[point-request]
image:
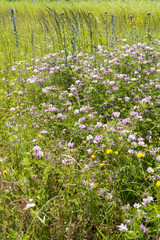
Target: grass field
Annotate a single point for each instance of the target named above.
(80, 120)
(42, 31)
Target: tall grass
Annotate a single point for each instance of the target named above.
(43, 23)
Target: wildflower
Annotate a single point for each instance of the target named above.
(126, 207)
(142, 227)
(109, 151)
(158, 158)
(116, 114)
(34, 177)
(70, 144)
(89, 137)
(82, 126)
(126, 121)
(5, 171)
(102, 164)
(39, 135)
(137, 205)
(59, 116)
(150, 170)
(36, 148)
(102, 191)
(76, 112)
(147, 200)
(93, 156)
(99, 125)
(29, 205)
(116, 152)
(43, 131)
(123, 227)
(98, 138)
(95, 185)
(158, 183)
(139, 155)
(109, 196)
(89, 151)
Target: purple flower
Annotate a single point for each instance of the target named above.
(126, 207)
(34, 177)
(70, 145)
(142, 227)
(152, 70)
(38, 154)
(36, 148)
(127, 121)
(43, 131)
(82, 126)
(126, 99)
(147, 200)
(158, 158)
(59, 116)
(98, 139)
(115, 89)
(82, 119)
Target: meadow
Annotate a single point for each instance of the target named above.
(80, 120)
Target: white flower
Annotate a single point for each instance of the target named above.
(123, 227)
(99, 125)
(109, 196)
(116, 114)
(137, 205)
(29, 205)
(150, 170)
(89, 137)
(76, 111)
(89, 151)
(36, 148)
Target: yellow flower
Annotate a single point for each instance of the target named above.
(158, 183)
(95, 185)
(116, 152)
(5, 171)
(39, 135)
(102, 164)
(109, 151)
(144, 106)
(93, 156)
(139, 155)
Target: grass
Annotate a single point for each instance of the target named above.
(79, 120)
(38, 33)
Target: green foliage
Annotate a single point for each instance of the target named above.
(79, 127)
